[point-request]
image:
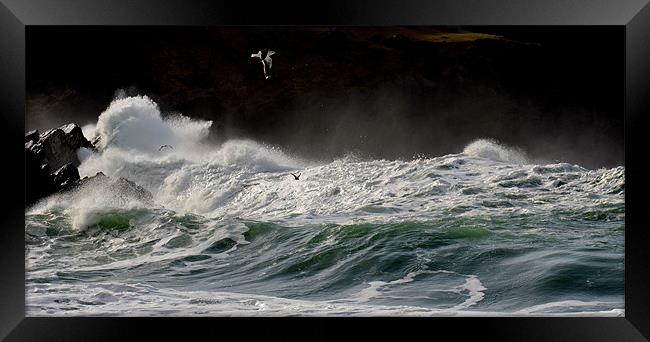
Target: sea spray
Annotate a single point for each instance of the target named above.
(136, 123)
(246, 179)
(492, 149)
(229, 231)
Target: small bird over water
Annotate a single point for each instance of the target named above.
(163, 146)
(265, 56)
(296, 177)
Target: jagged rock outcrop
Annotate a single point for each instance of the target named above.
(58, 146)
(51, 166)
(51, 160)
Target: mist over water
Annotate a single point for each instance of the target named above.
(485, 231)
(380, 92)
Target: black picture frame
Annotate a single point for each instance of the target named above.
(633, 15)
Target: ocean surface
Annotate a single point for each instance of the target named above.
(483, 232)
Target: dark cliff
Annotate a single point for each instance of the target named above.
(382, 92)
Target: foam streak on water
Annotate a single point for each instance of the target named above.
(481, 232)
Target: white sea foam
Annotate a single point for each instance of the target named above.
(136, 123)
(105, 299)
(471, 287)
(88, 130)
(244, 179)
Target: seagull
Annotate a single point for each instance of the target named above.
(265, 56)
(296, 177)
(163, 146)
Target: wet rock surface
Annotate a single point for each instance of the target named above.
(51, 161)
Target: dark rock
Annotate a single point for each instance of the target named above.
(38, 182)
(96, 179)
(98, 175)
(66, 176)
(59, 145)
(55, 149)
(31, 136)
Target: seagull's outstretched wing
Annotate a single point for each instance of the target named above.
(271, 53)
(258, 55)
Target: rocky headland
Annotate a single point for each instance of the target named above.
(51, 161)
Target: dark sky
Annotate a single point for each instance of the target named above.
(391, 92)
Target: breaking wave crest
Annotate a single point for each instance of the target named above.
(382, 232)
(491, 149)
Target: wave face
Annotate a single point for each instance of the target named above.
(482, 232)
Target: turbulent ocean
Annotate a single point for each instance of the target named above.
(483, 232)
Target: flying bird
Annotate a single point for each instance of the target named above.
(163, 146)
(265, 56)
(296, 177)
